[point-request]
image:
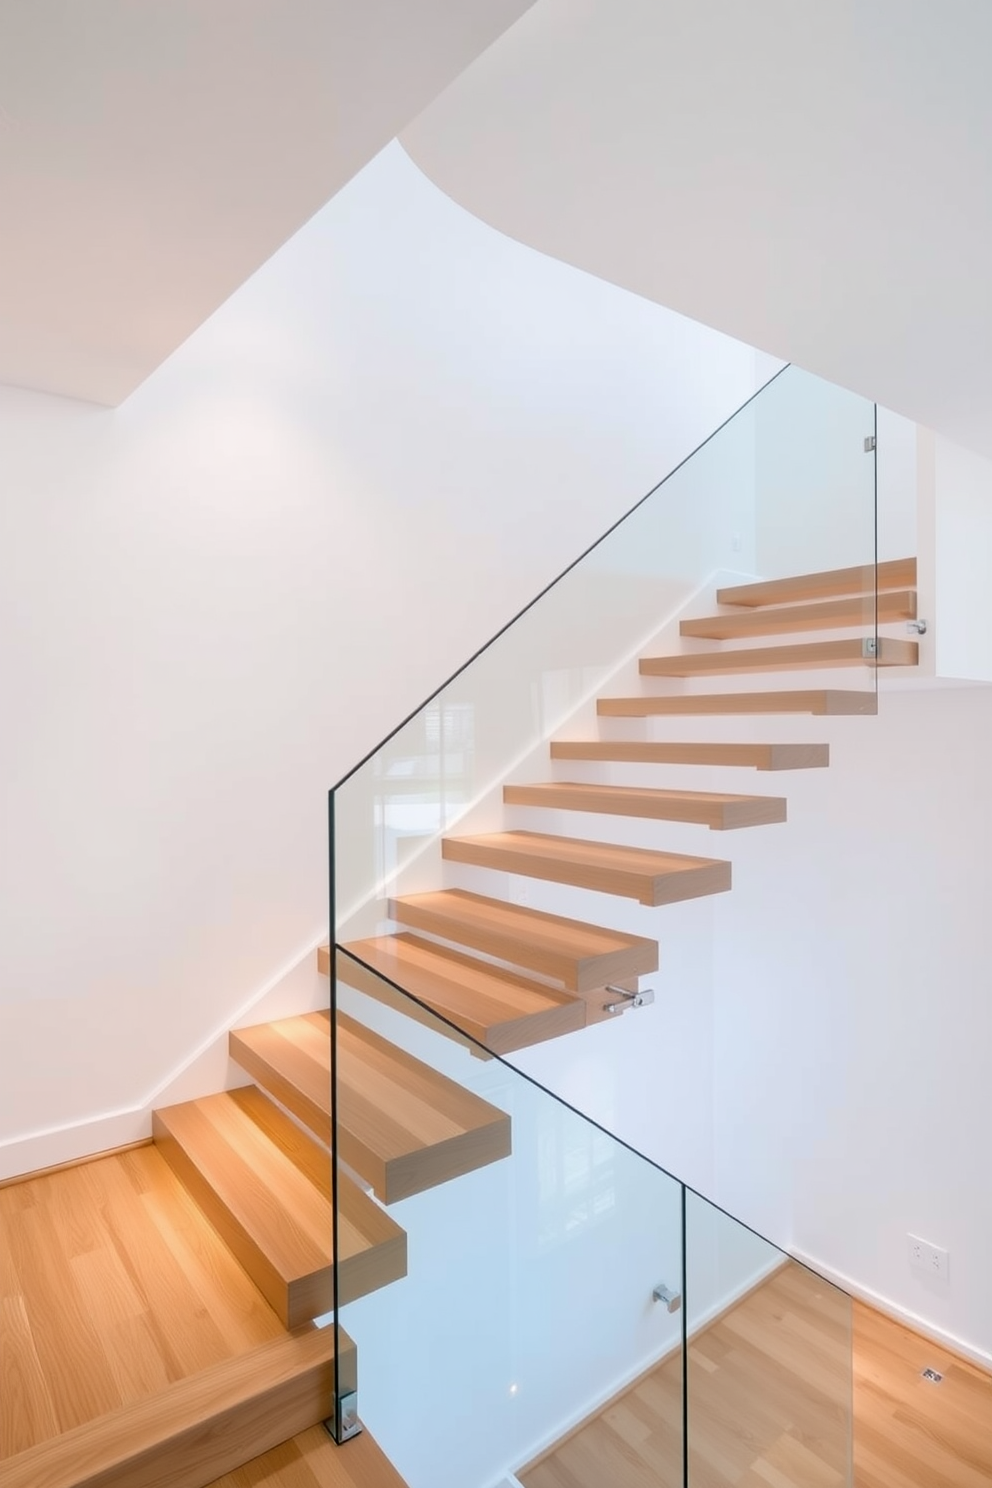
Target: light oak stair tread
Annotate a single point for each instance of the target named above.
(403, 1126)
(822, 702)
(830, 614)
(781, 658)
(265, 1186)
(496, 1007)
(291, 1058)
(312, 1460)
(580, 956)
(715, 809)
(653, 878)
(756, 756)
(896, 573)
(199, 1427)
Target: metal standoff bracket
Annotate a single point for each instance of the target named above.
(672, 1300)
(628, 999)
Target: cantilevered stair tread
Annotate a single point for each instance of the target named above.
(582, 957)
(639, 752)
(265, 1186)
(653, 878)
(830, 614)
(403, 1126)
(714, 809)
(819, 701)
(897, 573)
(495, 1007)
(781, 658)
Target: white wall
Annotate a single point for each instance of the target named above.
(852, 1022)
(215, 599)
(956, 517)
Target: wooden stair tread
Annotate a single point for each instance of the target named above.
(820, 701)
(291, 1058)
(497, 1008)
(653, 878)
(715, 809)
(830, 614)
(781, 658)
(209, 1423)
(312, 1460)
(582, 957)
(896, 573)
(266, 1187)
(756, 756)
(403, 1126)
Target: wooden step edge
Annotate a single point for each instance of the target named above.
(483, 1136)
(743, 756)
(198, 1428)
(828, 702)
(696, 879)
(559, 1012)
(863, 578)
(716, 810)
(797, 657)
(574, 1012)
(636, 956)
(416, 1172)
(280, 1085)
(887, 608)
(482, 1039)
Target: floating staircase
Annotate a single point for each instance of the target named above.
(258, 1163)
(501, 976)
(473, 959)
(498, 976)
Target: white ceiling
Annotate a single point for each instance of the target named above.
(154, 154)
(814, 178)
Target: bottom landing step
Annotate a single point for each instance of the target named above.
(200, 1427)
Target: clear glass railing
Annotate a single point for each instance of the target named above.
(502, 870)
(573, 1314)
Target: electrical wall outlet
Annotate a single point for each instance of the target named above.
(928, 1260)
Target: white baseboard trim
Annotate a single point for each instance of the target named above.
(891, 1309)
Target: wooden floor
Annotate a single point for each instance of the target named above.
(911, 1434)
(769, 1385)
(112, 1286)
